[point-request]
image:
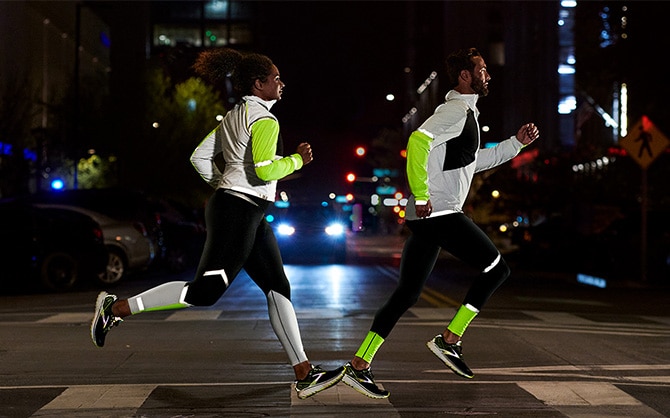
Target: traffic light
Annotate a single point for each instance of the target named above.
(360, 151)
(351, 177)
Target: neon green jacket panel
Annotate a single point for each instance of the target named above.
(268, 165)
(418, 148)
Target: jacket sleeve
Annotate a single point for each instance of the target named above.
(203, 157)
(501, 153)
(441, 126)
(418, 148)
(268, 165)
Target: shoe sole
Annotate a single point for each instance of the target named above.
(99, 302)
(311, 391)
(436, 350)
(353, 383)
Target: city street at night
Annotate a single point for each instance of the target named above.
(544, 346)
(153, 142)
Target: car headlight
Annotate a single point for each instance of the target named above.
(335, 230)
(285, 229)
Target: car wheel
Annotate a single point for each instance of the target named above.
(116, 268)
(59, 272)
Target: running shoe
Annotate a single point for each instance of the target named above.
(363, 382)
(103, 319)
(451, 355)
(317, 380)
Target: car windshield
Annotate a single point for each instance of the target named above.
(306, 214)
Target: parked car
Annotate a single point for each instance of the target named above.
(130, 248)
(52, 248)
(177, 234)
(309, 233)
(182, 234)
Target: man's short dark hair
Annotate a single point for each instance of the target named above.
(460, 60)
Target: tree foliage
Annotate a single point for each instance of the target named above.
(177, 118)
(97, 172)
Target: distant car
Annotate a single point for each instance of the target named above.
(309, 233)
(130, 248)
(52, 248)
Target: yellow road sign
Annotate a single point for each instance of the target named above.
(644, 142)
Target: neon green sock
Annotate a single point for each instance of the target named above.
(465, 315)
(369, 347)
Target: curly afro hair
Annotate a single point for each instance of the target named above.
(215, 65)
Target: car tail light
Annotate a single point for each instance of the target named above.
(139, 226)
(97, 232)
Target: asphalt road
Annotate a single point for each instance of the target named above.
(544, 346)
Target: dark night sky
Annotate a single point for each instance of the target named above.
(340, 58)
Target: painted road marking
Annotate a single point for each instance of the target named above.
(555, 394)
(67, 318)
(101, 397)
(578, 393)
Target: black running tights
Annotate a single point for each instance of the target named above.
(460, 236)
(238, 236)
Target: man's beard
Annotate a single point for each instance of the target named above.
(478, 87)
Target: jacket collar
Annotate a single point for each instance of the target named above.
(469, 99)
(265, 103)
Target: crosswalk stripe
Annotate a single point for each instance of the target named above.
(194, 315)
(562, 301)
(133, 396)
(67, 318)
(626, 372)
(578, 393)
(438, 299)
(559, 318)
(443, 314)
(342, 394)
(660, 319)
(101, 397)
